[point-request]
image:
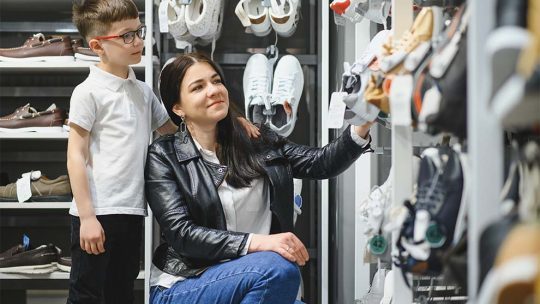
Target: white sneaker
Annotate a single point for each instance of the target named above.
(364, 111)
(286, 92)
(254, 16)
(374, 10)
(202, 17)
(284, 16)
(176, 15)
(256, 88)
(218, 21)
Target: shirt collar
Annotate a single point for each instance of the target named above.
(203, 150)
(109, 80)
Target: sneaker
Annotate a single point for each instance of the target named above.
(64, 264)
(176, 15)
(215, 33)
(40, 48)
(256, 87)
(421, 31)
(83, 53)
(286, 92)
(24, 259)
(43, 190)
(375, 95)
(284, 16)
(254, 16)
(202, 17)
(374, 10)
(28, 119)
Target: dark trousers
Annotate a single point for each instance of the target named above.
(108, 277)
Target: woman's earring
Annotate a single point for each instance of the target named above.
(183, 127)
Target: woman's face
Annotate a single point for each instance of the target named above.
(204, 98)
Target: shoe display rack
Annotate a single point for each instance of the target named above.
(41, 84)
(484, 167)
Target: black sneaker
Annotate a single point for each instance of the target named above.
(64, 264)
(21, 259)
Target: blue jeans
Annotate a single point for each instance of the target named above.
(261, 277)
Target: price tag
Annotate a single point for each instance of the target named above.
(162, 15)
(336, 110)
(400, 100)
(24, 190)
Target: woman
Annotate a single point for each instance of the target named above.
(224, 200)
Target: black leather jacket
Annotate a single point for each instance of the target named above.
(181, 189)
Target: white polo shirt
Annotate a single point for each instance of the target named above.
(120, 115)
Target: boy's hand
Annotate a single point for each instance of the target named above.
(92, 236)
(251, 129)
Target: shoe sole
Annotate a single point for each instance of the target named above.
(38, 199)
(34, 129)
(82, 57)
(64, 268)
(39, 59)
(30, 269)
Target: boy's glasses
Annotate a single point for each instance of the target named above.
(128, 37)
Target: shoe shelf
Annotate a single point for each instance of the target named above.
(242, 58)
(55, 66)
(57, 275)
(34, 135)
(38, 205)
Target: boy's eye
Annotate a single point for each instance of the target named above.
(128, 36)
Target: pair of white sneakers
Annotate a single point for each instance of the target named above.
(274, 103)
(281, 15)
(200, 20)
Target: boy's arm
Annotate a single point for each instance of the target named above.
(167, 128)
(92, 236)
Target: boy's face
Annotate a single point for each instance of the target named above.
(115, 50)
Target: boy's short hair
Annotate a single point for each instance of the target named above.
(95, 17)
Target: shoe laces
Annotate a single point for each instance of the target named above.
(284, 87)
(258, 84)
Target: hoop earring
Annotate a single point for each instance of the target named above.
(183, 127)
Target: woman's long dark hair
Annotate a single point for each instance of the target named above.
(234, 146)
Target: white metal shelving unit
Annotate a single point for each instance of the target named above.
(35, 205)
(59, 66)
(485, 138)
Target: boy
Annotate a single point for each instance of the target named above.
(111, 117)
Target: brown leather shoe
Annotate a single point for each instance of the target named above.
(43, 190)
(83, 53)
(27, 119)
(40, 48)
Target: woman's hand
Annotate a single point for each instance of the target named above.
(251, 129)
(286, 244)
(363, 130)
